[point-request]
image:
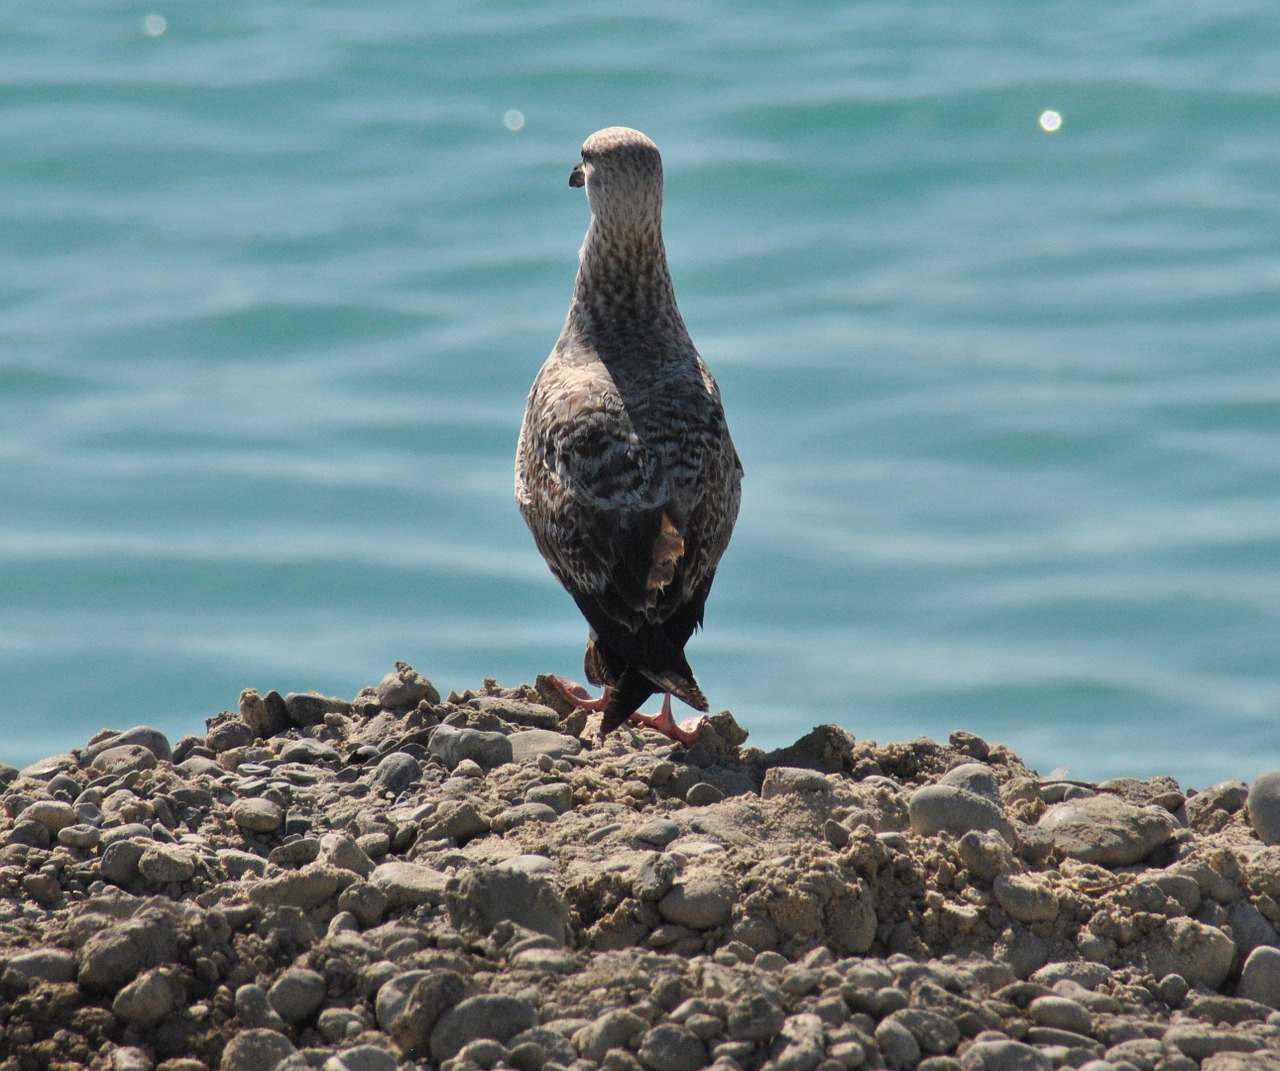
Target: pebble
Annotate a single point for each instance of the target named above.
(481, 898)
(975, 778)
(1026, 897)
(41, 964)
(790, 781)
(408, 884)
(361, 1058)
(487, 750)
(1264, 806)
(933, 1031)
(147, 1000)
(987, 855)
(54, 815)
(558, 796)
(118, 761)
(297, 994)
(528, 744)
(485, 1016)
(1005, 1056)
(672, 1047)
(1107, 830)
(140, 736)
(406, 688)
(1260, 977)
(309, 752)
(702, 901)
(949, 809)
(703, 794)
(1061, 1013)
(394, 774)
(897, 1044)
(659, 832)
(255, 1050)
(612, 1030)
(757, 1018)
(163, 863)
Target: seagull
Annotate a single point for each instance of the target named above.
(625, 471)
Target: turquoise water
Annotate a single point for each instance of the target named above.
(275, 279)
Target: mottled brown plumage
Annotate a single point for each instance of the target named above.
(625, 471)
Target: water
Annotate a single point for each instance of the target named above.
(276, 277)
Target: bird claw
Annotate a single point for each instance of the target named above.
(575, 694)
(686, 732)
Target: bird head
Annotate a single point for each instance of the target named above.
(621, 170)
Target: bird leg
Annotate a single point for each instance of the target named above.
(686, 732)
(575, 694)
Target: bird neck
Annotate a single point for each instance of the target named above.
(623, 281)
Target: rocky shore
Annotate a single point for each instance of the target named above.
(405, 881)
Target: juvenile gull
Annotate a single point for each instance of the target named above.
(625, 472)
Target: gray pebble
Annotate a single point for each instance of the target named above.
(658, 831)
(672, 1047)
(140, 735)
(405, 689)
(949, 809)
(484, 1016)
(54, 815)
(934, 1032)
(408, 884)
(793, 781)
(986, 855)
(799, 1045)
(79, 836)
(522, 814)
(558, 796)
(458, 820)
(553, 1045)
(1260, 978)
(119, 862)
(118, 761)
(297, 852)
(897, 1044)
(253, 1009)
(1107, 830)
(528, 744)
(228, 734)
(163, 863)
(612, 1030)
(483, 1052)
(309, 752)
(309, 708)
(482, 897)
(1264, 807)
(257, 815)
(451, 746)
(394, 774)
(1026, 897)
(702, 901)
(255, 1050)
(146, 1000)
(114, 956)
(1087, 975)
(309, 887)
(1202, 1041)
(41, 964)
(131, 1058)
(296, 994)
(1005, 1056)
(703, 794)
(974, 777)
(361, 1058)
(758, 1018)
(1061, 1013)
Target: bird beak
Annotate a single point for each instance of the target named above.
(577, 177)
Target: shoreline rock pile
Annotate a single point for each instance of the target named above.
(405, 881)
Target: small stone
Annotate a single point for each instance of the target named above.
(458, 820)
(986, 855)
(79, 836)
(793, 781)
(228, 734)
(366, 902)
(486, 1016)
(54, 815)
(1201, 954)
(528, 744)
(897, 1044)
(163, 863)
(672, 1047)
(119, 862)
(1026, 897)
(1107, 830)
(1202, 1041)
(950, 809)
(296, 994)
(1005, 1056)
(146, 1000)
(254, 1010)
(114, 956)
(799, 1045)
(1264, 807)
(395, 774)
(408, 884)
(522, 814)
(266, 717)
(1173, 990)
(338, 849)
(481, 898)
(612, 1030)
(558, 796)
(451, 746)
(255, 1050)
(309, 752)
(307, 888)
(974, 777)
(405, 689)
(1260, 978)
(658, 831)
(118, 761)
(758, 1018)
(703, 794)
(702, 901)
(257, 815)
(934, 1032)
(294, 853)
(1061, 1013)
(309, 708)
(42, 965)
(361, 1058)
(132, 1058)
(140, 735)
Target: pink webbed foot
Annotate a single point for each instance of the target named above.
(686, 732)
(576, 694)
